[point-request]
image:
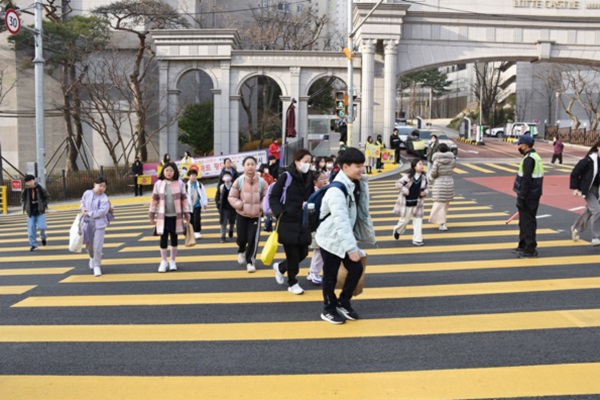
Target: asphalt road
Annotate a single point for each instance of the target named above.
(459, 318)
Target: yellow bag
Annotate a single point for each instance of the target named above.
(268, 252)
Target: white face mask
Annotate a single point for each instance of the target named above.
(304, 167)
(329, 166)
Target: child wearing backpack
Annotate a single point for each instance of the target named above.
(411, 201)
(263, 171)
(345, 220)
(245, 196)
(316, 263)
(226, 211)
(197, 200)
(292, 233)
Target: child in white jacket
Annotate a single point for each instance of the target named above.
(197, 200)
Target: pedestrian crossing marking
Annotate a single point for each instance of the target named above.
(303, 330)
(35, 271)
(427, 236)
(441, 384)
(107, 245)
(9, 290)
(372, 270)
(402, 248)
(379, 293)
(502, 168)
(66, 238)
(478, 168)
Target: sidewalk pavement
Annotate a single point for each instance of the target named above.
(211, 189)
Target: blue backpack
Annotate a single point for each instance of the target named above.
(311, 219)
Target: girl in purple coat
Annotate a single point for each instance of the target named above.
(96, 215)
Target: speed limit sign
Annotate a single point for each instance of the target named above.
(12, 21)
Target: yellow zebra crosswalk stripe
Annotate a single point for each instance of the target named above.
(441, 384)
(379, 293)
(303, 330)
(8, 290)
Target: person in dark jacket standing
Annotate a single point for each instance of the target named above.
(292, 233)
(229, 168)
(558, 149)
(395, 143)
(585, 180)
(381, 146)
(34, 200)
(528, 186)
(137, 169)
(226, 211)
(273, 167)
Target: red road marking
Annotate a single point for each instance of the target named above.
(556, 190)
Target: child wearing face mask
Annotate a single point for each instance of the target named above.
(226, 211)
(292, 233)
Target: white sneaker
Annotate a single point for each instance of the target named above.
(574, 234)
(250, 268)
(241, 258)
(91, 263)
(596, 242)
(197, 235)
(279, 278)
(314, 278)
(97, 271)
(296, 289)
(443, 227)
(172, 266)
(163, 266)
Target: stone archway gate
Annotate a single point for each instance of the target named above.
(398, 37)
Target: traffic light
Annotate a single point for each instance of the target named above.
(341, 101)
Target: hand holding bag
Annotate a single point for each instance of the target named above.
(76, 236)
(268, 252)
(343, 273)
(190, 239)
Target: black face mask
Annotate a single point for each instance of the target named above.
(521, 151)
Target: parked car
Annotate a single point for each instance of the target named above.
(418, 143)
(404, 131)
(517, 129)
(495, 132)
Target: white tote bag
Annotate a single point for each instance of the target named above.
(76, 236)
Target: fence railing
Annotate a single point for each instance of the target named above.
(583, 136)
(72, 184)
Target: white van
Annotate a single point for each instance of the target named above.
(517, 129)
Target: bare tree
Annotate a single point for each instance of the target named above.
(583, 87)
(6, 84)
(139, 17)
(487, 87)
(283, 29)
(550, 77)
(522, 101)
(110, 110)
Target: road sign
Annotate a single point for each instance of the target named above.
(12, 21)
(16, 185)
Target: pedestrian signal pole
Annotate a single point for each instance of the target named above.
(38, 63)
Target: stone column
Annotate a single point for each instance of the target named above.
(234, 125)
(173, 129)
(223, 135)
(389, 84)
(163, 100)
(295, 94)
(367, 83)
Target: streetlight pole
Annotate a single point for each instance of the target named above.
(350, 112)
(557, 94)
(38, 62)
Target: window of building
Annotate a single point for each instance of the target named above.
(299, 8)
(283, 7)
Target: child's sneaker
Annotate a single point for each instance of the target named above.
(314, 278)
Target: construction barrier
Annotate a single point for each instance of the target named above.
(4, 199)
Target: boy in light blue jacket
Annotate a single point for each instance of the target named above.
(345, 222)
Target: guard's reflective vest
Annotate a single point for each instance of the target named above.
(537, 175)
